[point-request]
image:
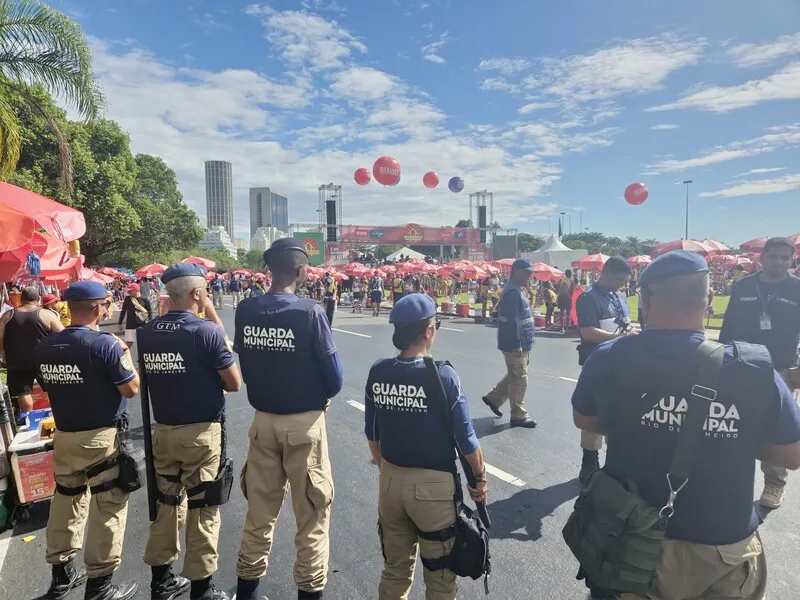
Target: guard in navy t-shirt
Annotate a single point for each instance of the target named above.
(291, 368)
(636, 390)
(764, 308)
(602, 315)
(89, 375)
(188, 368)
(410, 437)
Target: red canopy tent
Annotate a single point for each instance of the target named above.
(199, 260)
(61, 222)
(593, 262)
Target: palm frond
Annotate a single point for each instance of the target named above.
(39, 44)
(10, 139)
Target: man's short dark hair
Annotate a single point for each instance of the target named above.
(567, 273)
(778, 242)
(617, 264)
(287, 262)
(29, 294)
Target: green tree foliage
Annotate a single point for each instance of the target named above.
(528, 242)
(254, 260)
(40, 45)
(464, 223)
(131, 204)
(596, 242)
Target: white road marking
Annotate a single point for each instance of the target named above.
(351, 332)
(453, 329)
(568, 379)
(4, 545)
(499, 473)
(356, 404)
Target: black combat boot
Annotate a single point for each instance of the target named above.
(304, 595)
(591, 462)
(101, 588)
(166, 585)
(65, 578)
(203, 589)
(246, 589)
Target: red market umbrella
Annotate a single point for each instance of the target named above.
(108, 271)
(17, 229)
(593, 262)
(59, 221)
(92, 275)
(738, 261)
(754, 245)
(543, 272)
(795, 239)
(639, 261)
(353, 266)
(718, 247)
(504, 262)
(245, 272)
(53, 256)
(688, 245)
(150, 270)
(199, 260)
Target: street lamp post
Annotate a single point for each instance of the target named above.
(561, 225)
(686, 183)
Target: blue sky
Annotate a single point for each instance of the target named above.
(553, 106)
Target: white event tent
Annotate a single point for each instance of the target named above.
(555, 254)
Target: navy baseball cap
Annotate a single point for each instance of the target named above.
(412, 309)
(86, 290)
(183, 270)
(284, 244)
(522, 264)
(673, 264)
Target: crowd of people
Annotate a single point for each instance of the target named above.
(674, 409)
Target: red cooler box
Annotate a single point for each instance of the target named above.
(462, 310)
(538, 321)
(448, 308)
(32, 465)
(41, 400)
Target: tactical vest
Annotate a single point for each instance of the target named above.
(82, 395)
(411, 431)
(183, 390)
(277, 357)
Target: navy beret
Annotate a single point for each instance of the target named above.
(673, 264)
(522, 264)
(86, 290)
(183, 270)
(412, 309)
(282, 244)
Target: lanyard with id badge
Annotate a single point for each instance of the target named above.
(765, 320)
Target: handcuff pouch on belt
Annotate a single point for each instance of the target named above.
(215, 492)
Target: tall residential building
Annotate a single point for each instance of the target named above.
(264, 237)
(240, 243)
(217, 237)
(268, 208)
(219, 195)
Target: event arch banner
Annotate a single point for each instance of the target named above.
(314, 242)
(410, 234)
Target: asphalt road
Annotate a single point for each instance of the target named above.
(532, 484)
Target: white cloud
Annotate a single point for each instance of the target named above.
(664, 127)
(431, 51)
(633, 67)
(306, 39)
(506, 66)
(498, 84)
(556, 139)
(759, 172)
(533, 106)
(786, 183)
(785, 136)
(754, 55)
(781, 85)
(363, 83)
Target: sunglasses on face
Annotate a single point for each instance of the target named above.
(438, 323)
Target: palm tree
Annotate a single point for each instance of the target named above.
(42, 45)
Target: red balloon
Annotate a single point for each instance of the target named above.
(362, 176)
(636, 193)
(386, 170)
(430, 179)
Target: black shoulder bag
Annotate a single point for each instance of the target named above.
(617, 536)
(469, 556)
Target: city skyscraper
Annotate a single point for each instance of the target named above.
(268, 208)
(219, 195)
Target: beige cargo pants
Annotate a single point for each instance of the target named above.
(193, 451)
(697, 572)
(513, 385)
(293, 450)
(773, 475)
(73, 454)
(409, 501)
